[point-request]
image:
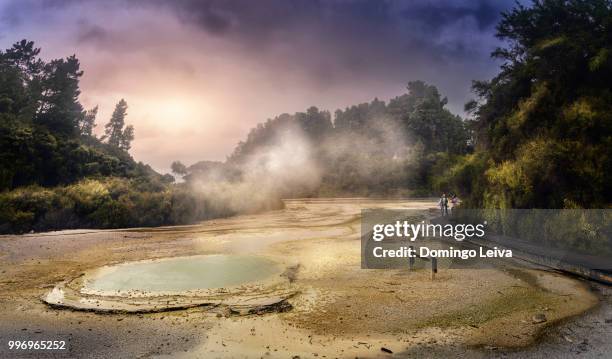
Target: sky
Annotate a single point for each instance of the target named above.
(198, 75)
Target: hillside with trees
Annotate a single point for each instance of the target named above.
(54, 173)
(46, 137)
(543, 126)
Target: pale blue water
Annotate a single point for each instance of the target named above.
(186, 273)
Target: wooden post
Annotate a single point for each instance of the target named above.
(434, 267)
(411, 259)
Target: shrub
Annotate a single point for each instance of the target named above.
(105, 203)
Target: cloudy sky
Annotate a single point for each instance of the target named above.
(197, 75)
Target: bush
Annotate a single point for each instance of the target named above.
(462, 175)
(109, 203)
(22, 208)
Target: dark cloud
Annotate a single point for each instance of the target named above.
(13, 13)
(241, 61)
(261, 18)
(331, 41)
(363, 35)
(434, 16)
(356, 33)
(91, 33)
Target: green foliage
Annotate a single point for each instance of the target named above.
(458, 174)
(585, 231)
(45, 136)
(116, 133)
(313, 123)
(23, 207)
(425, 119)
(178, 168)
(46, 139)
(544, 123)
(109, 203)
(34, 155)
(88, 122)
(59, 108)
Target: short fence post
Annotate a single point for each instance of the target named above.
(434, 267)
(411, 258)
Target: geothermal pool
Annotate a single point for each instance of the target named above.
(234, 263)
(183, 273)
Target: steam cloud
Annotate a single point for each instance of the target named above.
(293, 165)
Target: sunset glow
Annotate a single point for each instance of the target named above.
(195, 84)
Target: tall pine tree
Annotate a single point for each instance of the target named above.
(116, 133)
(88, 121)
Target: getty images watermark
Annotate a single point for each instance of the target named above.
(406, 239)
(411, 232)
(473, 238)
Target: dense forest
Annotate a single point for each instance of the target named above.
(538, 135)
(54, 172)
(543, 126)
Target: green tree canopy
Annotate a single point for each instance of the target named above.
(544, 124)
(116, 133)
(46, 137)
(88, 122)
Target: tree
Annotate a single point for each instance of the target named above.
(116, 133)
(543, 125)
(316, 124)
(59, 108)
(24, 56)
(20, 82)
(88, 122)
(178, 168)
(127, 138)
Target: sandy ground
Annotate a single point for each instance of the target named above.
(340, 311)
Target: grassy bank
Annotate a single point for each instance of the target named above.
(103, 203)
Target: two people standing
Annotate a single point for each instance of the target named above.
(444, 203)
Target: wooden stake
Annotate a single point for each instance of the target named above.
(434, 267)
(411, 259)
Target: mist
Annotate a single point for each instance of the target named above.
(286, 167)
(294, 164)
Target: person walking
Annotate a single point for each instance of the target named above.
(443, 203)
(454, 203)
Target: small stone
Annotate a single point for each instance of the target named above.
(538, 318)
(386, 350)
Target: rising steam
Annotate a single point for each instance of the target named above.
(284, 168)
(292, 164)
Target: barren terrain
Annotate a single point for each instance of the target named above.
(338, 309)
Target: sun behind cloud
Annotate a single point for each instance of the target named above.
(178, 113)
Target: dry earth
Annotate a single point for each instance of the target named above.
(340, 310)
